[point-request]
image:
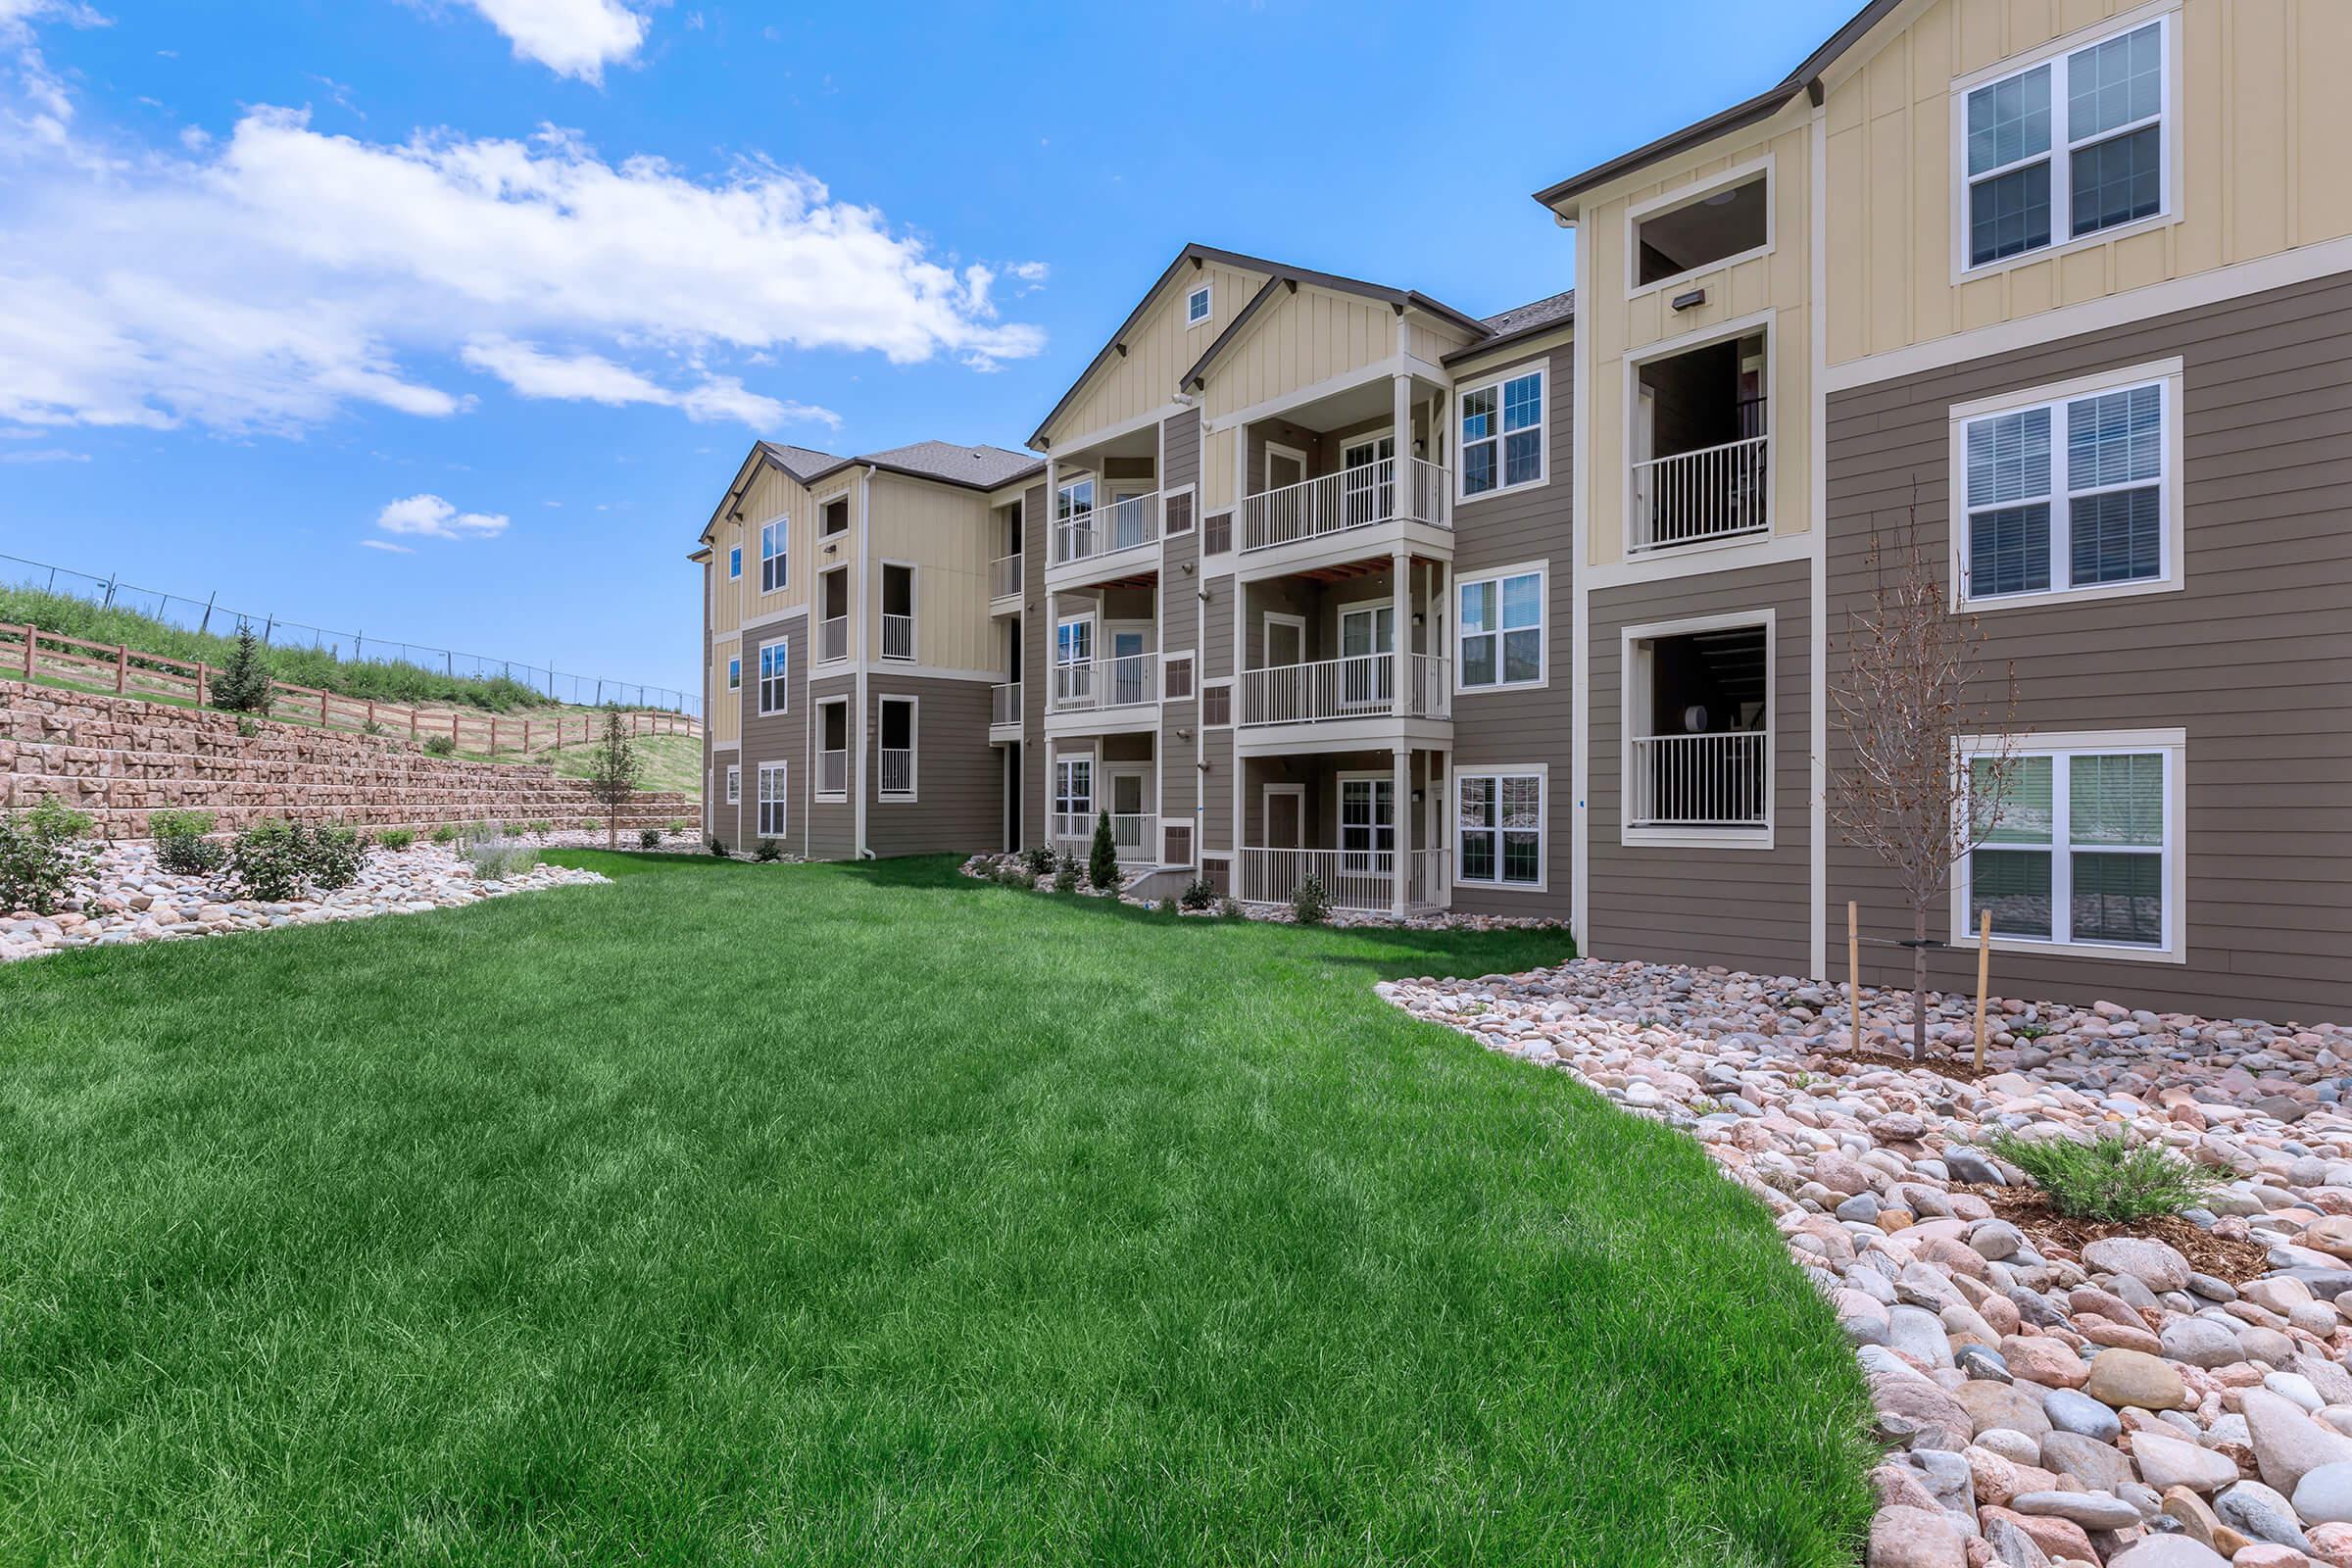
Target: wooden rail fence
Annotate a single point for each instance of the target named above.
(32, 653)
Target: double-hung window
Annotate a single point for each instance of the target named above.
(775, 564)
(1499, 828)
(775, 667)
(2067, 147)
(773, 799)
(734, 783)
(735, 674)
(2074, 494)
(1503, 441)
(735, 562)
(2078, 845)
(1499, 641)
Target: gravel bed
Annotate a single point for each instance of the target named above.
(995, 867)
(2047, 1393)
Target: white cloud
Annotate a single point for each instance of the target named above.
(570, 37)
(428, 517)
(272, 278)
(386, 545)
(42, 454)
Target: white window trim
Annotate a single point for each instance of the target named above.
(2056, 50)
(1206, 293)
(1061, 493)
(734, 783)
(1094, 639)
(1201, 689)
(735, 672)
(914, 746)
(1265, 461)
(1267, 620)
(1689, 196)
(1399, 812)
(1541, 369)
(1167, 663)
(914, 606)
(759, 700)
(734, 562)
(782, 800)
(817, 618)
(1765, 322)
(782, 524)
(825, 505)
(2167, 373)
(1055, 793)
(2174, 745)
(1265, 812)
(1542, 570)
(848, 743)
(1633, 695)
(1542, 773)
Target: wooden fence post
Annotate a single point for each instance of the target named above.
(494, 734)
(121, 668)
(1853, 974)
(411, 723)
(200, 683)
(1984, 975)
(32, 637)
(322, 710)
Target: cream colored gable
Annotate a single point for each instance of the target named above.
(1305, 337)
(1159, 349)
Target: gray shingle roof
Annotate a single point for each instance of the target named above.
(983, 467)
(1534, 313)
(802, 463)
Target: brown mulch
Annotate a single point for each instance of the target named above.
(1961, 1068)
(2030, 1210)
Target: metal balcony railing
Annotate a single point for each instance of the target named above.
(1353, 498)
(1359, 686)
(1714, 493)
(1721, 780)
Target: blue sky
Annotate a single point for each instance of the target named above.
(451, 319)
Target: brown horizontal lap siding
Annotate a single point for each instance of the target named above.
(769, 737)
(2252, 656)
(832, 826)
(1743, 908)
(1528, 726)
(958, 777)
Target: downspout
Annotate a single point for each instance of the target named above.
(865, 639)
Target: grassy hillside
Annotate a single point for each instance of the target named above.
(671, 762)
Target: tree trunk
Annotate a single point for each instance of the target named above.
(613, 829)
(1918, 985)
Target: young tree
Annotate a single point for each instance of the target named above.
(1102, 858)
(244, 686)
(613, 769)
(1902, 705)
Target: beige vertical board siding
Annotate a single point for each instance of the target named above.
(946, 533)
(958, 779)
(1159, 349)
(1037, 668)
(1747, 909)
(766, 738)
(2264, 124)
(1777, 284)
(1526, 725)
(774, 494)
(1299, 340)
(1216, 473)
(2252, 656)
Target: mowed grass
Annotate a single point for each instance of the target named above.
(867, 1215)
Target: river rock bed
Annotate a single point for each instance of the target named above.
(1010, 871)
(2103, 1402)
(125, 897)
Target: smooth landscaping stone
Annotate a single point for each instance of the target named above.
(2323, 1496)
(2288, 1443)
(1915, 1537)
(2070, 1412)
(2260, 1514)
(2168, 1551)
(2167, 1461)
(2121, 1379)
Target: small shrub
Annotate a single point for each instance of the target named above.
(396, 838)
(1197, 895)
(181, 846)
(718, 848)
(542, 828)
(243, 687)
(1103, 857)
(1039, 858)
(269, 859)
(1014, 876)
(496, 858)
(768, 850)
(370, 727)
(333, 856)
(1309, 903)
(1229, 908)
(1067, 872)
(675, 827)
(446, 833)
(440, 746)
(40, 857)
(589, 824)
(648, 837)
(2108, 1180)
(248, 725)
(180, 825)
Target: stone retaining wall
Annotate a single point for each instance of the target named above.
(119, 758)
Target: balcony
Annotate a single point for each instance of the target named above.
(833, 772)
(1716, 492)
(1698, 727)
(898, 772)
(1133, 834)
(1098, 684)
(1106, 529)
(1362, 497)
(1358, 881)
(1004, 705)
(833, 639)
(1361, 686)
(898, 636)
(1699, 781)
(1004, 577)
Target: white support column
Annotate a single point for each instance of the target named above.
(1400, 641)
(1402, 859)
(1400, 486)
(1053, 504)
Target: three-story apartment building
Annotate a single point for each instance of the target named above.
(1539, 613)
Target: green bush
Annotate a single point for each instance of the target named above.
(677, 826)
(1039, 858)
(334, 857)
(1229, 908)
(40, 856)
(496, 858)
(1067, 872)
(2108, 1180)
(542, 828)
(269, 859)
(1197, 895)
(648, 837)
(396, 838)
(248, 725)
(189, 825)
(768, 850)
(446, 833)
(181, 846)
(1102, 858)
(589, 824)
(441, 746)
(243, 687)
(1309, 903)
(718, 848)
(1014, 876)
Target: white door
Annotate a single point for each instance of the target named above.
(1367, 681)
(1073, 663)
(1369, 480)
(1073, 795)
(1127, 811)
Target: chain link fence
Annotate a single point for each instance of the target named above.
(211, 615)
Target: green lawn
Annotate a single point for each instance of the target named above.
(866, 1216)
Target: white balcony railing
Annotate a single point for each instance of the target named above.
(1359, 686)
(1113, 526)
(1004, 577)
(1362, 881)
(1700, 780)
(833, 638)
(1134, 834)
(1353, 498)
(1004, 703)
(1098, 683)
(833, 772)
(1713, 493)
(898, 636)
(898, 772)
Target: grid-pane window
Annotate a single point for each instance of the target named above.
(775, 664)
(1502, 434)
(772, 797)
(1195, 306)
(1500, 829)
(2068, 494)
(2077, 848)
(1074, 786)
(774, 562)
(734, 784)
(2067, 147)
(1217, 705)
(1501, 641)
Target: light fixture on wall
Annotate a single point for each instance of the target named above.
(1690, 301)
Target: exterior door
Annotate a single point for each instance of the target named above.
(1128, 684)
(1368, 480)
(1073, 663)
(1285, 810)
(1126, 812)
(1366, 681)
(1073, 795)
(1284, 469)
(1286, 642)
